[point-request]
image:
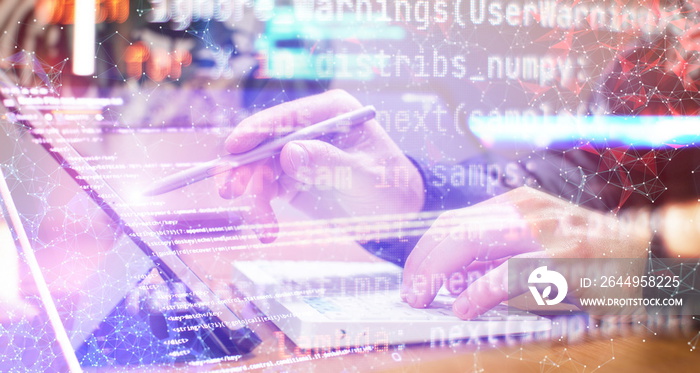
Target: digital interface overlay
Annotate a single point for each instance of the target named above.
(505, 131)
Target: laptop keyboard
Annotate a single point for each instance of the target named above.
(382, 306)
(342, 299)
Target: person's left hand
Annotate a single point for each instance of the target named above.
(306, 172)
(524, 222)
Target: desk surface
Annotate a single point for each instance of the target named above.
(609, 345)
(624, 351)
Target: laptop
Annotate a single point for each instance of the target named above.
(323, 305)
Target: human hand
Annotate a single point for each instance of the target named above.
(345, 175)
(522, 223)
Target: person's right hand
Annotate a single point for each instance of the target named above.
(523, 223)
(362, 172)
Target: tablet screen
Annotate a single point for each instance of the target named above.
(110, 267)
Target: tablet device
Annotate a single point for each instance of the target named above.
(123, 294)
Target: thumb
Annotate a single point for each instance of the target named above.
(258, 213)
(255, 202)
(304, 160)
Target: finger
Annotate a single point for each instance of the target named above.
(258, 213)
(436, 236)
(437, 233)
(255, 202)
(458, 281)
(233, 183)
(489, 290)
(473, 224)
(501, 226)
(288, 187)
(303, 159)
(285, 117)
(481, 233)
(447, 256)
(485, 293)
(483, 267)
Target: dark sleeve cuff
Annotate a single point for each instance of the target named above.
(449, 187)
(446, 188)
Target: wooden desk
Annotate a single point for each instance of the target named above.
(623, 351)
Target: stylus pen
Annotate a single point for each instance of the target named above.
(340, 123)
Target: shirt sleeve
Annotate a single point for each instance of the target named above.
(573, 175)
(450, 187)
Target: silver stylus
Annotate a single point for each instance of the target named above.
(206, 170)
